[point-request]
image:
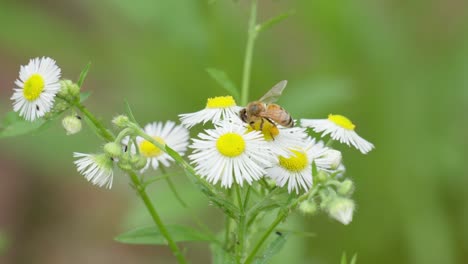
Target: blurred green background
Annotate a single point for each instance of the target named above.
(398, 69)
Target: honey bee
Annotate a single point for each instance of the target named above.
(261, 115)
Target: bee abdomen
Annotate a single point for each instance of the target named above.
(290, 122)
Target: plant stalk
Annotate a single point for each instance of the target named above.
(251, 36)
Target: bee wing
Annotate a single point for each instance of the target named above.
(274, 93)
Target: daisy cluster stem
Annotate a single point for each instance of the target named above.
(103, 130)
(251, 36)
(241, 225)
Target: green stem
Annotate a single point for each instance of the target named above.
(157, 220)
(173, 189)
(252, 34)
(247, 196)
(241, 225)
(227, 231)
(104, 132)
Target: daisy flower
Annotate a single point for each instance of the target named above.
(296, 169)
(97, 168)
(230, 153)
(37, 86)
(217, 108)
(175, 136)
(340, 128)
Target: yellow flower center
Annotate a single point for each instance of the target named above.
(268, 129)
(341, 121)
(220, 102)
(230, 145)
(149, 150)
(295, 163)
(33, 87)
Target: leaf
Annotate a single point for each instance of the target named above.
(275, 20)
(130, 112)
(84, 96)
(343, 258)
(273, 248)
(354, 259)
(83, 74)
(223, 79)
(14, 125)
(152, 235)
(221, 256)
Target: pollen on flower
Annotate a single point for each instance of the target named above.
(33, 87)
(342, 121)
(230, 145)
(149, 150)
(296, 162)
(220, 102)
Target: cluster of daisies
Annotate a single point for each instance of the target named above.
(228, 152)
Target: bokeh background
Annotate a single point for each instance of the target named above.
(398, 69)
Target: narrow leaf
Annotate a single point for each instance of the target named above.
(84, 96)
(130, 112)
(152, 235)
(275, 20)
(14, 125)
(273, 248)
(223, 79)
(354, 259)
(83, 74)
(343, 258)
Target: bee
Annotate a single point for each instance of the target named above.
(261, 115)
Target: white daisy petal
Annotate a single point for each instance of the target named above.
(97, 169)
(38, 84)
(217, 109)
(229, 154)
(175, 136)
(341, 129)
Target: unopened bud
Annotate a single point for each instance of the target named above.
(346, 188)
(308, 207)
(321, 177)
(69, 90)
(334, 157)
(341, 209)
(113, 149)
(121, 121)
(72, 124)
(139, 162)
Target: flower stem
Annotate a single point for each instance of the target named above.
(100, 127)
(157, 220)
(241, 225)
(251, 36)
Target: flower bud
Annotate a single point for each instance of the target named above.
(72, 124)
(334, 157)
(69, 90)
(113, 149)
(121, 121)
(321, 177)
(346, 188)
(341, 209)
(139, 162)
(308, 207)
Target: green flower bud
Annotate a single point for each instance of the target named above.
(72, 124)
(308, 207)
(346, 188)
(113, 149)
(321, 177)
(69, 90)
(139, 162)
(121, 121)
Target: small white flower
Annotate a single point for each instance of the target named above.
(97, 168)
(38, 84)
(175, 136)
(72, 124)
(340, 128)
(295, 169)
(217, 109)
(229, 153)
(342, 210)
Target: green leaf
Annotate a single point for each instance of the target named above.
(130, 112)
(83, 74)
(14, 125)
(221, 256)
(343, 258)
(273, 248)
(354, 259)
(84, 96)
(223, 79)
(275, 20)
(152, 235)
